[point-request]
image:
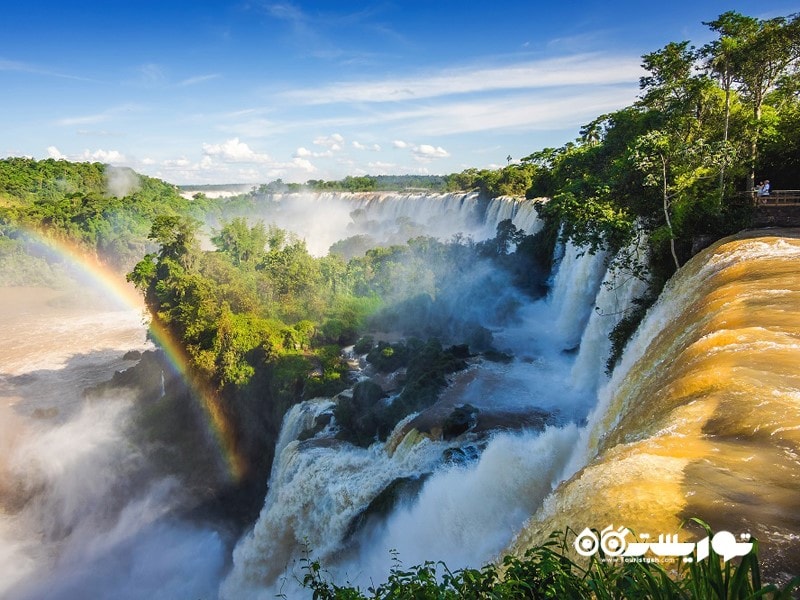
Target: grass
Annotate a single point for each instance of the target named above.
(548, 572)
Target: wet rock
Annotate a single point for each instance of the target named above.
(462, 456)
(462, 419)
(402, 488)
(321, 421)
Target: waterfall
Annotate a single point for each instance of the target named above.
(82, 512)
(701, 418)
(316, 493)
(575, 287)
(323, 218)
(463, 513)
(614, 299)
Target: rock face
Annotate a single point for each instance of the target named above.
(146, 379)
(463, 418)
(777, 216)
(382, 505)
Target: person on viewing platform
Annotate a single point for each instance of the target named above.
(763, 190)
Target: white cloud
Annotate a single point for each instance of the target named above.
(578, 69)
(427, 152)
(302, 152)
(151, 75)
(235, 151)
(399, 144)
(54, 152)
(382, 168)
(333, 142)
(180, 163)
(105, 115)
(14, 65)
(304, 165)
(110, 157)
(360, 146)
(550, 110)
(517, 113)
(85, 120)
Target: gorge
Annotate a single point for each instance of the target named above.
(699, 418)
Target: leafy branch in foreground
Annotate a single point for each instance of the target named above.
(548, 572)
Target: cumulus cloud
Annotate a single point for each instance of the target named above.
(180, 163)
(304, 165)
(235, 151)
(302, 152)
(104, 156)
(426, 152)
(423, 153)
(333, 142)
(54, 152)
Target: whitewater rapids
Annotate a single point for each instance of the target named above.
(702, 416)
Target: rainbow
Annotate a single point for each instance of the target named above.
(116, 287)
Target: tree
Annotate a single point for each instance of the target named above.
(720, 55)
(176, 236)
(673, 88)
(243, 244)
(674, 167)
(756, 54)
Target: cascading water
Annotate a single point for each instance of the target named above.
(464, 513)
(701, 417)
(390, 217)
(84, 513)
(614, 299)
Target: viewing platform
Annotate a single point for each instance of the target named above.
(780, 209)
(776, 198)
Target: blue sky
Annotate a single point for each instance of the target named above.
(250, 91)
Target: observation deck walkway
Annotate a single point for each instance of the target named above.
(780, 209)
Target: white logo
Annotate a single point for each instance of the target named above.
(613, 543)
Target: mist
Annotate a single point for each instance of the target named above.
(94, 506)
(121, 181)
(84, 509)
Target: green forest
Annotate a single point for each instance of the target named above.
(263, 321)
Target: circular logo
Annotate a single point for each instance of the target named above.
(586, 543)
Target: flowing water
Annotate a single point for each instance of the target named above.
(700, 418)
(390, 218)
(462, 513)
